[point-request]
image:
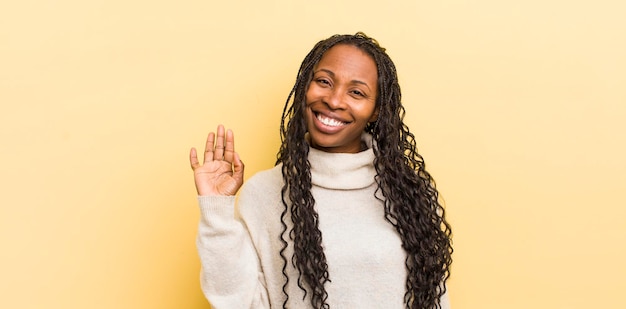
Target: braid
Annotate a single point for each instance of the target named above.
(411, 199)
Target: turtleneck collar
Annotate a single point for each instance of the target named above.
(343, 171)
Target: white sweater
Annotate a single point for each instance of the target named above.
(239, 246)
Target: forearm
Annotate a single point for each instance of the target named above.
(230, 266)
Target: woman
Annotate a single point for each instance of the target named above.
(348, 218)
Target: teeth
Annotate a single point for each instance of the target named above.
(329, 121)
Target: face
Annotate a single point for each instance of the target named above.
(341, 99)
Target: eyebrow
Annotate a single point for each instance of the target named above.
(332, 74)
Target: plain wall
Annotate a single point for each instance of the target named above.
(518, 108)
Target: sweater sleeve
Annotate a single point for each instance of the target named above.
(445, 301)
(231, 276)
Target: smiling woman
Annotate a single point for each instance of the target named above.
(341, 99)
(347, 170)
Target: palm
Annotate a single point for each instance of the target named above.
(222, 170)
(215, 178)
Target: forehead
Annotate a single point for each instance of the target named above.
(348, 59)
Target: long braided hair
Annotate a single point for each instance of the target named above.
(411, 200)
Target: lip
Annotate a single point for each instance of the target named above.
(325, 128)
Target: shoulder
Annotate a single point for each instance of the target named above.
(267, 181)
(261, 194)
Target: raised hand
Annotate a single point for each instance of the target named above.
(222, 170)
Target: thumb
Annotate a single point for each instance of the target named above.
(238, 168)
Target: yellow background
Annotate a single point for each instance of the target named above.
(519, 108)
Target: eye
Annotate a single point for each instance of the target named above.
(358, 93)
(323, 81)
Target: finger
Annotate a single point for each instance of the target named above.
(208, 148)
(193, 159)
(229, 149)
(219, 144)
(238, 168)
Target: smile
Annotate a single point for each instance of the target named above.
(331, 122)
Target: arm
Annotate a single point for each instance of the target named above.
(231, 276)
(445, 301)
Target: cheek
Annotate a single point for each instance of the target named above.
(315, 93)
(309, 95)
(367, 112)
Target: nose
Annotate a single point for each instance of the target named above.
(334, 99)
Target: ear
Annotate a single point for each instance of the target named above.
(375, 115)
